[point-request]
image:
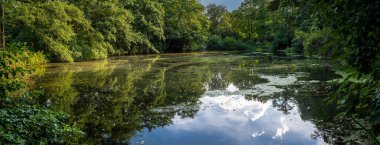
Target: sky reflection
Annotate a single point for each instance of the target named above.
(227, 117)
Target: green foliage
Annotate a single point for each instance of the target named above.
(231, 43)
(291, 50)
(355, 23)
(55, 27)
(27, 57)
(32, 125)
(22, 122)
(215, 42)
(281, 42)
(113, 23)
(149, 20)
(37, 58)
(320, 43)
(347, 31)
(220, 20)
(265, 24)
(359, 96)
(297, 44)
(14, 65)
(343, 30)
(73, 30)
(283, 30)
(22, 58)
(185, 24)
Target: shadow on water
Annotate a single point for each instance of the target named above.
(196, 98)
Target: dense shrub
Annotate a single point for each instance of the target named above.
(230, 43)
(27, 57)
(281, 42)
(198, 47)
(319, 42)
(21, 120)
(297, 44)
(29, 124)
(291, 50)
(215, 42)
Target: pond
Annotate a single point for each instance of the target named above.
(209, 98)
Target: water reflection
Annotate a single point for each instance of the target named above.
(227, 117)
(205, 98)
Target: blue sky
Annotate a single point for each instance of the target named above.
(230, 4)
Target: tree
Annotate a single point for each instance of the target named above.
(149, 19)
(252, 11)
(68, 30)
(264, 23)
(354, 27)
(185, 24)
(216, 14)
(56, 27)
(114, 22)
(250, 20)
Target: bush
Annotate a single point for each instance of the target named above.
(198, 47)
(215, 42)
(320, 43)
(281, 42)
(36, 58)
(291, 50)
(297, 44)
(230, 43)
(32, 125)
(21, 120)
(27, 57)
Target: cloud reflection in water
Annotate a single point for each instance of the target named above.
(227, 117)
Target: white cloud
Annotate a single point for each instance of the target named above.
(232, 88)
(227, 112)
(257, 134)
(282, 130)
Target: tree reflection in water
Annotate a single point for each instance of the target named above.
(114, 99)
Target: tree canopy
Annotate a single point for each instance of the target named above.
(70, 30)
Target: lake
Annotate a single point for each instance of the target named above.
(208, 98)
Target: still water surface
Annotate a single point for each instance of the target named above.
(195, 99)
